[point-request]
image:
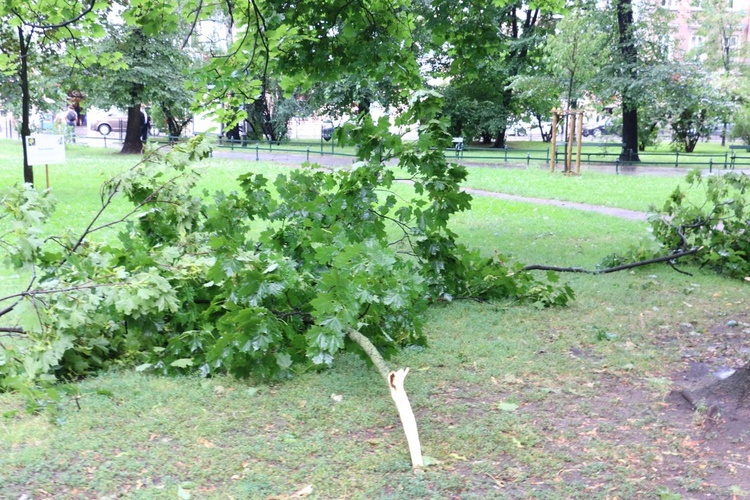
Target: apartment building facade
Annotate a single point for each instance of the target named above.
(726, 23)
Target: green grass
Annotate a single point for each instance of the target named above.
(634, 192)
(578, 430)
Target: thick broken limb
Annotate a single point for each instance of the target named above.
(395, 381)
(666, 258)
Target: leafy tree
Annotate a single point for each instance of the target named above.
(32, 27)
(720, 27)
(350, 95)
(742, 125)
(269, 114)
(574, 52)
(486, 45)
(154, 71)
(692, 107)
(721, 52)
(628, 71)
(565, 74)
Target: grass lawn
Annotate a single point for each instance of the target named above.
(512, 402)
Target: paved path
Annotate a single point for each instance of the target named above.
(329, 160)
(613, 211)
(295, 159)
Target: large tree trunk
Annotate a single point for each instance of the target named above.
(500, 139)
(133, 144)
(629, 54)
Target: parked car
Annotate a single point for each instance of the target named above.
(109, 123)
(518, 129)
(604, 126)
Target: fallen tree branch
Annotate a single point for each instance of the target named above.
(666, 258)
(395, 381)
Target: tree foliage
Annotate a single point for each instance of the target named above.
(485, 46)
(719, 225)
(265, 281)
(708, 223)
(49, 27)
(154, 71)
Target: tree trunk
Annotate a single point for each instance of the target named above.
(629, 54)
(500, 139)
(728, 394)
(133, 144)
(23, 42)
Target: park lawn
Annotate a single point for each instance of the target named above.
(512, 402)
(633, 192)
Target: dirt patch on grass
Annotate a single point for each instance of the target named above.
(611, 433)
(663, 440)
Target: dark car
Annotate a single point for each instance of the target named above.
(109, 123)
(605, 126)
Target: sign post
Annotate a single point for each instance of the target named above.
(45, 149)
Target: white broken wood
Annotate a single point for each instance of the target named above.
(395, 381)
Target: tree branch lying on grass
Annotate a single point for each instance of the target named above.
(666, 258)
(395, 381)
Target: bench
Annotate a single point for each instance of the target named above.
(733, 156)
(457, 146)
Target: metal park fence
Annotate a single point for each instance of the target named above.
(593, 153)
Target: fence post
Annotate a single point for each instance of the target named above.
(257, 146)
(726, 157)
(506, 153)
(528, 159)
(617, 166)
(710, 165)
(307, 154)
(676, 159)
(630, 154)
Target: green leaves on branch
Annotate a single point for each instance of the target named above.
(719, 222)
(712, 216)
(266, 281)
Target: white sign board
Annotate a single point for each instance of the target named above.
(45, 149)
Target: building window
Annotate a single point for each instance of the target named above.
(696, 41)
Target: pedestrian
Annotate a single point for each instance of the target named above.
(70, 120)
(145, 123)
(82, 116)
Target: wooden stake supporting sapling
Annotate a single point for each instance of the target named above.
(395, 381)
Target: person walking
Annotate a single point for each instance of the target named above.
(145, 123)
(71, 118)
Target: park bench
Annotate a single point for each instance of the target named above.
(458, 146)
(733, 148)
